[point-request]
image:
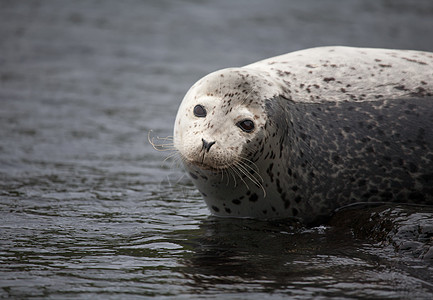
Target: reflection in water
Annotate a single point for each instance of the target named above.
(246, 255)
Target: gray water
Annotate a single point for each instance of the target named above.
(89, 210)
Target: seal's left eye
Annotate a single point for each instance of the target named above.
(246, 125)
(199, 111)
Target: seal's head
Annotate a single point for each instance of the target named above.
(225, 135)
(221, 120)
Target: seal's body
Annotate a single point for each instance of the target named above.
(302, 134)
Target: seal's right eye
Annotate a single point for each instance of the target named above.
(246, 125)
(199, 111)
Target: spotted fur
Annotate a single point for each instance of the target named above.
(333, 126)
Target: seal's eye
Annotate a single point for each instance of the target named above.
(199, 111)
(246, 125)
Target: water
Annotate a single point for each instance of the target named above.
(90, 211)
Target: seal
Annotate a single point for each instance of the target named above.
(302, 134)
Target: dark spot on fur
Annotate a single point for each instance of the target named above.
(303, 136)
(328, 79)
(193, 175)
(362, 182)
(336, 158)
(401, 88)
(254, 197)
(420, 92)
(236, 201)
(215, 208)
(412, 167)
(279, 189)
(415, 61)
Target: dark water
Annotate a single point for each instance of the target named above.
(89, 210)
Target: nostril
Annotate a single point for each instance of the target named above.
(207, 145)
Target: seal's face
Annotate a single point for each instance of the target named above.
(216, 128)
(221, 132)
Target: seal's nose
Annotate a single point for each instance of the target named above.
(207, 145)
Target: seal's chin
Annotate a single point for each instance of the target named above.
(206, 167)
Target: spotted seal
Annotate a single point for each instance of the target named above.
(302, 134)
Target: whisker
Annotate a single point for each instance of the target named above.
(170, 156)
(181, 177)
(230, 173)
(252, 167)
(248, 174)
(222, 176)
(166, 146)
(161, 146)
(251, 176)
(250, 162)
(239, 173)
(177, 159)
